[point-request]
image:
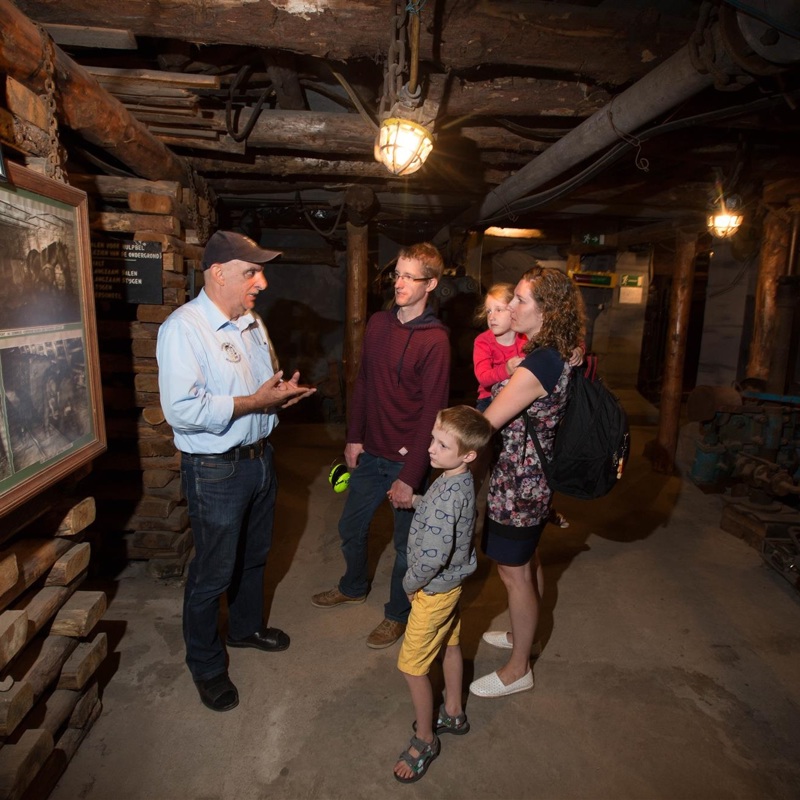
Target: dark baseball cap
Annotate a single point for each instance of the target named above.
(226, 246)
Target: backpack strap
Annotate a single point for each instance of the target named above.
(530, 431)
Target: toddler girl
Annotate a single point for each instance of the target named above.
(496, 354)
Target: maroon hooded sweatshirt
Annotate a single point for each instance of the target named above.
(403, 382)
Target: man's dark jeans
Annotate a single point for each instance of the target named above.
(369, 483)
(231, 508)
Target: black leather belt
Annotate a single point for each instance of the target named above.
(241, 453)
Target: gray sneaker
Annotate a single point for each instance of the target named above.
(333, 597)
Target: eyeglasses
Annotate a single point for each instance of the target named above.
(407, 278)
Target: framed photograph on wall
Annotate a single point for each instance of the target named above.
(51, 414)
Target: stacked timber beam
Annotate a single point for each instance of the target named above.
(50, 650)
(141, 508)
(141, 513)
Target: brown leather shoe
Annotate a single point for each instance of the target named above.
(386, 634)
(333, 597)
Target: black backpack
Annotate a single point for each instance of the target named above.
(592, 441)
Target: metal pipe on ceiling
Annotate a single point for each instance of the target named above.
(675, 80)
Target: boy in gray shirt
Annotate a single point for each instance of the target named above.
(440, 555)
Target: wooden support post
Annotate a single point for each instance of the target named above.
(356, 312)
(663, 452)
(772, 266)
(473, 257)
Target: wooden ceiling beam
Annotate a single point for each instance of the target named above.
(290, 165)
(84, 36)
(519, 96)
(175, 80)
(552, 36)
(85, 106)
(350, 134)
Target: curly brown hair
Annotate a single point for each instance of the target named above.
(561, 304)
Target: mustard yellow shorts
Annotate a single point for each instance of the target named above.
(434, 621)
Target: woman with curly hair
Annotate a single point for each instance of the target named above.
(547, 308)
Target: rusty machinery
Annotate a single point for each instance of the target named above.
(750, 445)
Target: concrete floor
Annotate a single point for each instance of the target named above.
(671, 666)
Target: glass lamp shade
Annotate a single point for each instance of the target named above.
(724, 224)
(403, 145)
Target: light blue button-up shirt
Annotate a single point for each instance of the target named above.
(204, 361)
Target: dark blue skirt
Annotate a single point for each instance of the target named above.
(510, 546)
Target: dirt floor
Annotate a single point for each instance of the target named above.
(671, 665)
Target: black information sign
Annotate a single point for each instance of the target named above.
(128, 271)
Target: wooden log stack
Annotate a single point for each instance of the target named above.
(50, 650)
(137, 482)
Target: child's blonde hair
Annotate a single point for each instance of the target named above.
(467, 425)
(504, 292)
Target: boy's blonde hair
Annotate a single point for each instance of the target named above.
(504, 292)
(467, 425)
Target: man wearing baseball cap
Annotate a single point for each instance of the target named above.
(220, 388)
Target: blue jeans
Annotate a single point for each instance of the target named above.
(231, 508)
(369, 483)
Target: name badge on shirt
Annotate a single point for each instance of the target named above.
(231, 353)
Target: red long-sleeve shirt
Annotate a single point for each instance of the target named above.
(489, 360)
(403, 382)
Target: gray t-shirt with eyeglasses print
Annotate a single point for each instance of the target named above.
(440, 547)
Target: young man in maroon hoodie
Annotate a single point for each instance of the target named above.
(403, 382)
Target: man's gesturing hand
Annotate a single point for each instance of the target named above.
(273, 393)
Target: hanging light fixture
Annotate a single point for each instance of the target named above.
(404, 140)
(726, 219)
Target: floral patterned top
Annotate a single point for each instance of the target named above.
(518, 492)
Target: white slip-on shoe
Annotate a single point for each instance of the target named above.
(491, 685)
(500, 639)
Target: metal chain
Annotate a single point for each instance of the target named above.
(395, 62)
(54, 163)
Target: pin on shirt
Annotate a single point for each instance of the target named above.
(231, 353)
